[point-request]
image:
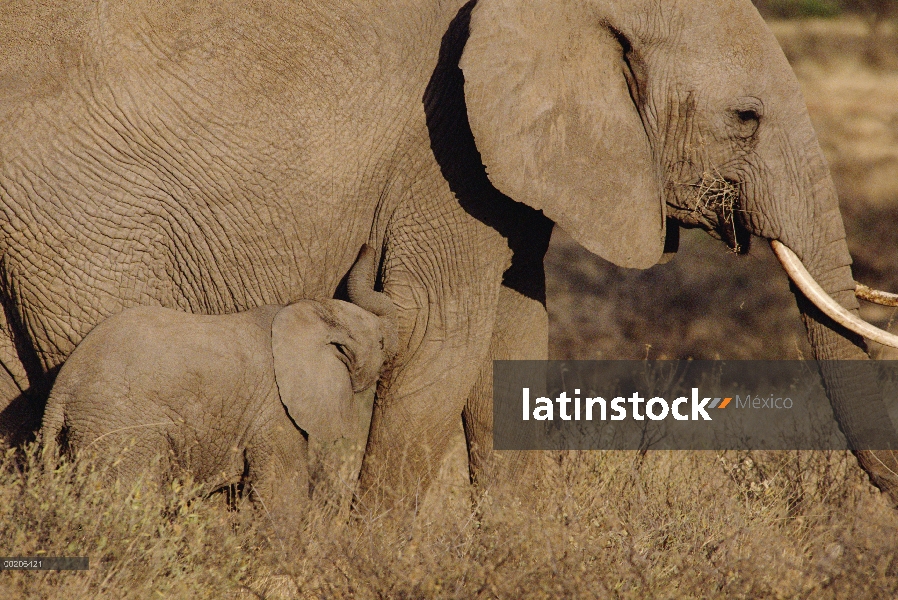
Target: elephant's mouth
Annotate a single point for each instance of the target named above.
(713, 203)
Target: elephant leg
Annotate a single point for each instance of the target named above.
(415, 411)
(411, 426)
(20, 413)
(278, 473)
(445, 285)
(17, 414)
(521, 333)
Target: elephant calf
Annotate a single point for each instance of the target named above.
(228, 398)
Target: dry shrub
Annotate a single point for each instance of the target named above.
(717, 195)
(714, 202)
(605, 524)
(139, 542)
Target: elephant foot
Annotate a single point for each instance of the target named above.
(882, 468)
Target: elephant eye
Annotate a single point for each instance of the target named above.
(747, 117)
(747, 122)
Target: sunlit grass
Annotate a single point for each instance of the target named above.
(685, 524)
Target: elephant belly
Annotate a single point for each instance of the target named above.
(61, 280)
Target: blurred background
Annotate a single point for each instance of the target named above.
(709, 303)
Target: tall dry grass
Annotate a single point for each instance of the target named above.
(606, 524)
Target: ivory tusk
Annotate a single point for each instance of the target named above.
(877, 297)
(832, 309)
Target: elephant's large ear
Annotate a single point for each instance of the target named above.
(551, 103)
(312, 379)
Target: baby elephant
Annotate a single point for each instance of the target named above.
(229, 398)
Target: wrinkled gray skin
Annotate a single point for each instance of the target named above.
(218, 157)
(229, 399)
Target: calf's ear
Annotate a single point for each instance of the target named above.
(312, 379)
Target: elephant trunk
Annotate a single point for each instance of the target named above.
(818, 248)
(360, 288)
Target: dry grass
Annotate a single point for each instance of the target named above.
(609, 524)
(139, 543)
(715, 198)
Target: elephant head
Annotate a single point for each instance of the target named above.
(326, 351)
(625, 120)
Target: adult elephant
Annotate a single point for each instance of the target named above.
(214, 157)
